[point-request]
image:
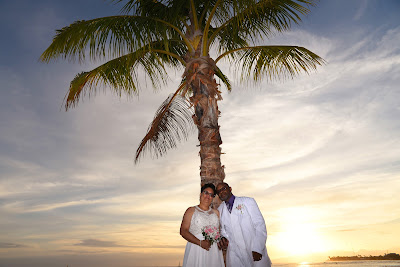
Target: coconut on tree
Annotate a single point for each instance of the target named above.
(152, 37)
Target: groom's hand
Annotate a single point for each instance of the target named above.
(223, 244)
(256, 256)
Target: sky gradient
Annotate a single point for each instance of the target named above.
(319, 153)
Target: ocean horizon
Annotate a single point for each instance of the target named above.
(360, 263)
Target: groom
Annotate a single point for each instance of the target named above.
(243, 230)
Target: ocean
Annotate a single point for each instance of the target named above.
(342, 264)
(336, 264)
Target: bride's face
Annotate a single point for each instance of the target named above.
(206, 197)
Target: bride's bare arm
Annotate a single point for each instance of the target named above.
(187, 217)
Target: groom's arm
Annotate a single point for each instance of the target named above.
(221, 224)
(223, 244)
(258, 242)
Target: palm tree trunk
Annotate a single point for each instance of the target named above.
(199, 75)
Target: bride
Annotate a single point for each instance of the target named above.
(200, 252)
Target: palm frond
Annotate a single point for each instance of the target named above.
(223, 78)
(151, 8)
(171, 124)
(144, 8)
(122, 74)
(108, 37)
(244, 20)
(171, 52)
(273, 62)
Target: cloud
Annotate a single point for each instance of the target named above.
(109, 244)
(11, 245)
(361, 10)
(347, 230)
(97, 243)
(395, 221)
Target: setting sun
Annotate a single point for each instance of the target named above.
(299, 236)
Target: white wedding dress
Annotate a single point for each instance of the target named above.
(196, 256)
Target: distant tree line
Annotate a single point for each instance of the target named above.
(390, 256)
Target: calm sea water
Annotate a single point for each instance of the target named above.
(337, 264)
(344, 264)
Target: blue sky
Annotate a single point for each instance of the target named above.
(319, 153)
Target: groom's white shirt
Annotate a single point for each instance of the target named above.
(245, 229)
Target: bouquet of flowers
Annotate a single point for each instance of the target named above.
(211, 233)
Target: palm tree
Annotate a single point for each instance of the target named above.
(154, 36)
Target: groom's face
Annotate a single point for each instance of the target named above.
(224, 192)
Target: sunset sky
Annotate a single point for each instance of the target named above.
(320, 153)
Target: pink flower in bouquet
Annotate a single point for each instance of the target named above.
(211, 233)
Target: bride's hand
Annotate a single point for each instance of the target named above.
(205, 244)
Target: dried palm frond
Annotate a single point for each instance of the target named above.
(171, 124)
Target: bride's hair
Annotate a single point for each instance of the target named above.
(207, 186)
